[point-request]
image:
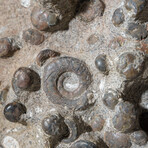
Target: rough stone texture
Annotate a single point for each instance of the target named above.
(83, 41)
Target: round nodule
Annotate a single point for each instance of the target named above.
(101, 63)
(23, 79)
(129, 65)
(33, 36)
(54, 126)
(110, 99)
(13, 111)
(5, 47)
(118, 17)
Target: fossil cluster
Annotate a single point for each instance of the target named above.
(97, 101)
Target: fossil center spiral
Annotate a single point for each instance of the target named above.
(70, 81)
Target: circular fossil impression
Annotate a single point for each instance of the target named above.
(65, 79)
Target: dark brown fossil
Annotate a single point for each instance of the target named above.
(83, 144)
(42, 19)
(91, 9)
(125, 117)
(101, 63)
(65, 79)
(8, 46)
(13, 111)
(110, 99)
(139, 137)
(116, 140)
(44, 55)
(129, 65)
(54, 15)
(55, 126)
(118, 17)
(25, 79)
(5, 47)
(33, 36)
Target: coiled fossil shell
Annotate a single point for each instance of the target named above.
(55, 75)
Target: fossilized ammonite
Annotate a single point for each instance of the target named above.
(65, 79)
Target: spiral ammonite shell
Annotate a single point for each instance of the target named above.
(58, 72)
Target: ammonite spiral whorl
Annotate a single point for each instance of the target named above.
(65, 81)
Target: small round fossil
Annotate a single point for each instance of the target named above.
(97, 123)
(118, 17)
(90, 10)
(59, 81)
(25, 79)
(143, 121)
(101, 63)
(5, 47)
(110, 99)
(55, 126)
(137, 31)
(42, 19)
(117, 140)
(139, 137)
(129, 65)
(135, 5)
(33, 36)
(125, 117)
(44, 55)
(83, 144)
(13, 111)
